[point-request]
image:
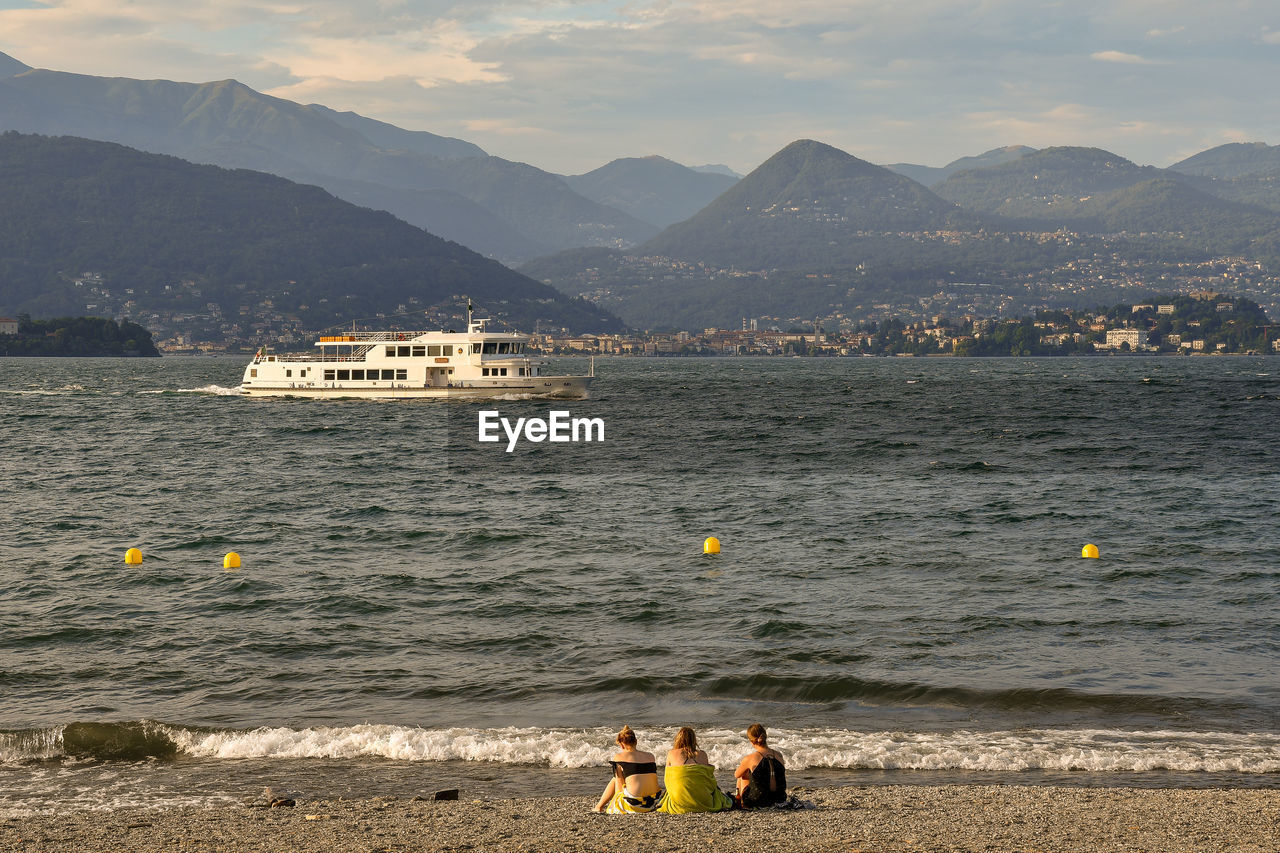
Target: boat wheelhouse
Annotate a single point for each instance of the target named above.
(410, 365)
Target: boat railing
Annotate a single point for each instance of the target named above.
(379, 337)
(296, 357)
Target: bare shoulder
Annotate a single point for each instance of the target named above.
(634, 756)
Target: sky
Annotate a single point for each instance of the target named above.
(570, 86)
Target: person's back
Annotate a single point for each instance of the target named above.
(767, 785)
(761, 775)
(634, 786)
(691, 779)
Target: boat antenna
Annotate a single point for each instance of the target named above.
(469, 309)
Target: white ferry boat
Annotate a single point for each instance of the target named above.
(411, 365)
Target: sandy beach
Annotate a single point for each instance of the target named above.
(889, 818)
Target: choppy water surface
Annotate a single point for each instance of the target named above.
(900, 589)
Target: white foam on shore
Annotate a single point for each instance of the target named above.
(1100, 750)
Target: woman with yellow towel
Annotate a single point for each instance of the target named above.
(691, 779)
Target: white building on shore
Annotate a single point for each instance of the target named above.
(1135, 338)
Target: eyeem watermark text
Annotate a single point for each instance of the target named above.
(556, 427)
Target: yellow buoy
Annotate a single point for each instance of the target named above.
(1090, 551)
(133, 557)
(711, 545)
(231, 561)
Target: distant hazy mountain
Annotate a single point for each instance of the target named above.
(716, 169)
(1169, 205)
(229, 124)
(804, 205)
(930, 175)
(240, 240)
(10, 66)
(389, 136)
(1044, 184)
(1234, 160)
(652, 189)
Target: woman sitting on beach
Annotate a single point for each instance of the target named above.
(634, 786)
(762, 776)
(690, 779)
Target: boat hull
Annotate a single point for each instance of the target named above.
(537, 387)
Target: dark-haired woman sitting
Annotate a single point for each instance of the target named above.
(634, 786)
(762, 776)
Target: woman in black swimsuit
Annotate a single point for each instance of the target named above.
(761, 776)
(634, 787)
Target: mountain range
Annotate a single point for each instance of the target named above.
(815, 231)
(96, 222)
(447, 186)
(815, 223)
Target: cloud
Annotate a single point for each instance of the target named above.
(571, 84)
(442, 54)
(503, 128)
(1124, 58)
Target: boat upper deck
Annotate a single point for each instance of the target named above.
(437, 336)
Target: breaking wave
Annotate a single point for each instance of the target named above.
(1046, 749)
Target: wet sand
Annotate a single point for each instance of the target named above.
(881, 818)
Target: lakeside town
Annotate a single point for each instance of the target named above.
(1199, 322)
(1203, 322)
(1217, 306)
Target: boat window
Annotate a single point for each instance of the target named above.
(253, 372)
(475, 348)
(344, 374)
(520, 371)
(504, 371)
(391, 352)
(303, 372)
(517, 348)
(419, 351)
(433, 350)
(402, 374)
(288, 373)
(357, 374)
(504, 348)
(328, 375)
(388, 374)
(403, 352)
(490, 348)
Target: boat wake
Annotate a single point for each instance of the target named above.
(211, 390)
